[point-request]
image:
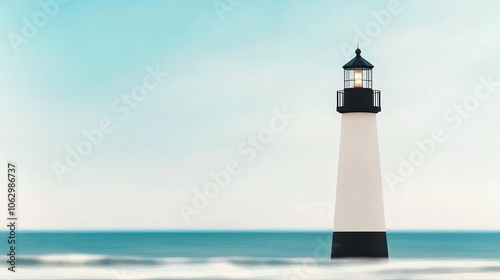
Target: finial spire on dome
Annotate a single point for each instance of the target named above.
(358, 61)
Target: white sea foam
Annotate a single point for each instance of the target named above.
(69, 258)
(104, 267)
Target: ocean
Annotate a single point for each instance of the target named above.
(246, 255)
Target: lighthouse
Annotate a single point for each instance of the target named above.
(359, 222)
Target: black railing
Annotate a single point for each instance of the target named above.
(365, 100)
(376, 98)
(340, 98)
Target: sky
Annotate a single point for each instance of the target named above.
(174, 93)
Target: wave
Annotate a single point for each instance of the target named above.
(91, 260)
(75, 266)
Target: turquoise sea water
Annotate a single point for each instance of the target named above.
(247, 255)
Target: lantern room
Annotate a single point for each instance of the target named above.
(358, 72)
(358, 95)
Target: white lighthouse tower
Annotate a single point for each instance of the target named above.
(359, 222)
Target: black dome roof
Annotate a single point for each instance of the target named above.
(358, 62)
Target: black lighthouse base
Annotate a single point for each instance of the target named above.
(359, 244)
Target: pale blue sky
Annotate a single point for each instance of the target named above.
(228, 72)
